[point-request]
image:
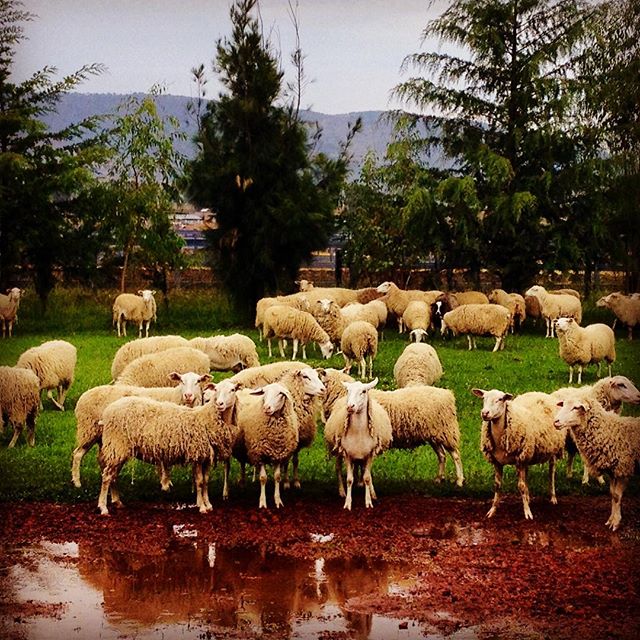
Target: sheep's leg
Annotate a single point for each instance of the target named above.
(438, 449)
(285, 475)
(262, 504)
(366, 476)
(198, 479)
(109, 474)
(17, 430)
(78, 453)
(347, 364)
(62, 394)
(124, 327)
(457, 461)
(206, 468)
(363, 368)
(31, 429)
(524, 491)
(370, 367)
(630, 332)
(347, 501)
(552, 481)
(570, 374)
(296, 477)
(55, 402)
(115, 496)
(276, 491)
(304, 351)
(341, 492)
(225, 482)
(296, 343)
(616, 489)
(165, 476)
(579, 374)
(497, 483)
(497, 344)
(470, 342)
(609, 367)
(269, 346)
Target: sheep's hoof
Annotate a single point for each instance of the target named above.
(296, 484)
(438, 479)
(528, 515)
(600, 480)
(554, 500)
(104, 511)
(76, 484)
(491, 512)
(286, 485)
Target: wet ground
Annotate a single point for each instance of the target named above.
(413, 567)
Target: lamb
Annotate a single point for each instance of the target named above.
(153, 369)
(418, 364)
(139, 308)
(140, 347)
(92, 403)
(585, 345)
(329, 317)
(285, 322)
(519, 431)
(424, 415)
(360, 343)
(168, 434)
(294, 300)
(227, 353)
(553, 306)
(397, 299)
(9, 304)
(54, 362)
(357, 430)
(478, 320)
(625, 308)
(19, 402)
(609, 443)
(417, 319)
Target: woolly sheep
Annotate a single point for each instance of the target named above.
(381, 309)
(417, 319)
(478, 320)
(152, 369)
(520, 312)
(554, 306)
(330, 318)
(582, 346)
(609, 443)
(354, 311)
(341, 295)
(417, 364)
(625, 308)
(425, 415)
(227, 353)
(93, 402)
(357, 430)
(54, 362)
(334, 389)
(470, 297)
(501, 297)
(19, 402)
(360, 343)
(9, 304)
(266, 373)
(519, 431)
(285, 322)
(141, 347)
(397, 299)
(294, 300)
(129, 307)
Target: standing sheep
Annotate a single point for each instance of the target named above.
(625, 308)
(139, 308)
(54, 362)
(19, 402)
(9, 304)
(417, 319)
(417, 364)
(470, 297)
(294, 300)
(397, 299)
(228, 353)
(501, 297)
(355, 311)
(478, 320)
(330, 318)
(360, 343)
(554, 306)
(141, 347)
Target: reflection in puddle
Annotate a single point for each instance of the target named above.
(194, 590)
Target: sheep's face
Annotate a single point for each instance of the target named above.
(358, 395)
(304, 285)
(274, 398)
(14, 294)
(621, 389)
(384, 287)
(564, 324)
(571, 413)
(604, 301)
(327, 349)
(190, 385)
(534, 291)
(147, 294)
(311, 382)
(494, 403)
(324, 305)
(225, 394)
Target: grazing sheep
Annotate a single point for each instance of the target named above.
(294, 300)
(554, 306)
(470, 297)
(417, 319)
(93, 402)
(397, 299)
(582, 346)
(54, 362)
(9, 304)
(417, 364)
(153, 369)
(19, 402)
(129, 307)
(285, 322)
(478, 320)
(357, 430)
(354, 312)
(330, 318)
(519, 431)
(141, 347)
(625, 308)
(609, 443)
(359, 342)
(425, 415)
(227, 353)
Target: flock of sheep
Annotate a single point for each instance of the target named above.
(163, 407)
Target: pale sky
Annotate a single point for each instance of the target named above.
(353, 48)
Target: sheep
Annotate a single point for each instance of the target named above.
(92, 403)
(266, 373)
(227, 353)
(397, 299)
(625, 308)
(424, 415)
(54, 362)
(152, 369)
(342, 296)
(381, 309)
(520, 312)
(139, 308)
(9, 304)
(553, 306)
(334, 389)
(330, 318)
(585, 345)
(168, 434)
(359, 342)
(609, 443)
(140, 347)
(285, 322)
(470, 297)
(417, 319)
(417, 364)
(501, 297)
(357, 430)
(294, 300)
(519, 431)
(441, 305)
(478, 320)
(354, 311)
(19, 402)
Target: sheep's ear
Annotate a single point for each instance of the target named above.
(140, 292)
(560, 403)
(478, 392)
(205, 377)
(237, 386)
(507, 396)
(257, 392)
(210, 386)
(174, 375)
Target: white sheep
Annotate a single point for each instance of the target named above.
(19, 402)
(417, 364)
(582, 346)
(54, 362)
(556, 305)
(266, 373)
(513, 302)
(129, 307)
(470, 297)
(141, 347)
(625, 308)
(609, 443)
(359, 343)
(9, 304)
(357, 430)
(334, 389)
(397, 299)
(478, 320)
(228, 353)
(356, 311)
(293, 300)
(330, 318)
(519, 431)
(153, 369)
(381, 309)
(425, 415)
(417, 319)
(285, 322)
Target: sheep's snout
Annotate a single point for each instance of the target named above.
(486, 415)
(188, 399)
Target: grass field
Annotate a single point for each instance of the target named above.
(529, 362)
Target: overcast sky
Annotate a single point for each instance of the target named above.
(353, 48)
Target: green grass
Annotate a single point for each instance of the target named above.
(529, 362)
